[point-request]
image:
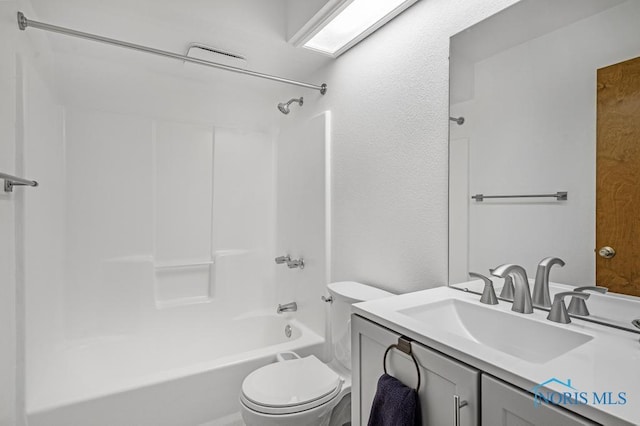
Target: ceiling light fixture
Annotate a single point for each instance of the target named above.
(349, 22)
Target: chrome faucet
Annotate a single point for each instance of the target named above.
(541, 296)
(558, 312)
(507, 287)
(287, 307)
(283, 259)
(578, 306)
(522, 292)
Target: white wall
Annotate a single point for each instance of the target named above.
(389, 99)
(531, 126)
(8, 344)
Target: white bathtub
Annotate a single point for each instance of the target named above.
(164, 378)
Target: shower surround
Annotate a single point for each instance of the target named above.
(162, 290)
(150, 288)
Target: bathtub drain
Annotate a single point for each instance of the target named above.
(287, 330)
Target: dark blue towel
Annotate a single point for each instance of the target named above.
(394, 404)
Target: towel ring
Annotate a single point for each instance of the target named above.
(404, 346)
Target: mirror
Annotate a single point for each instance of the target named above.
(533, 84)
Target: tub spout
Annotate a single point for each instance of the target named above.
(287, 307)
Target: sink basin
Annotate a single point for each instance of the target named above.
(513, 334)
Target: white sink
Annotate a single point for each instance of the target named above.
(514, 334)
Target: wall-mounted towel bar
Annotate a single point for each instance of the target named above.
(403, 345)
(10, 181)
(559, 196)
(459, 120)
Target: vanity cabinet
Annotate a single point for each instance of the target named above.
(489, 402)
(506, 405)
(442, 378)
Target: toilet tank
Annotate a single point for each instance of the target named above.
(344, 294)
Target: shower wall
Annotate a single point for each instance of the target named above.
(30, 122)
(168, 225)
(156, 212)
(8, 325)
(43, 217)
(164, 196)
(303, 219)
(143, 205)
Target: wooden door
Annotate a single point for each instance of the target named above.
(618, 177)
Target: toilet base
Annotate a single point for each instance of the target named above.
(329, 415)
(341, 414)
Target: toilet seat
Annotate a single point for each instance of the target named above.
(290, 386)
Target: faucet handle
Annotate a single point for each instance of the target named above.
(558, 312)
(488, 294)
(295, 263)
(577, 306)
(596, 288)
(282, 259)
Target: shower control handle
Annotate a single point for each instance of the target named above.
(296, 263)
(283, 259)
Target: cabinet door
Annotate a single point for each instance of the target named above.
(505, 405)
(442, 378)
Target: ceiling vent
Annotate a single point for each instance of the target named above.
(212, 54)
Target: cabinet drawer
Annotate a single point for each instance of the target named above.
(505, 405)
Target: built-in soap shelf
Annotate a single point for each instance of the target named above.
(182, 264)
(183, 282)
(179, 282)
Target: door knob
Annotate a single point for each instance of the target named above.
(607, 252)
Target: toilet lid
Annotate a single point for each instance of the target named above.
(291, 385)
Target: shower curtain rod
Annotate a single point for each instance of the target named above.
(23, 23)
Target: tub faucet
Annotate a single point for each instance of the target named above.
(522, 292)
(287, 307)
(541, 296)
(282, 259)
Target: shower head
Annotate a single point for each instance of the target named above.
(284, 107)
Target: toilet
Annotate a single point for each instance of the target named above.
(305, 391)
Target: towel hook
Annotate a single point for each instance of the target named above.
(404, 346)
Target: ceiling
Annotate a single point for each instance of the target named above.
(522, 22)
(255, 29)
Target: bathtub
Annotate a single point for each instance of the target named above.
(162, 379)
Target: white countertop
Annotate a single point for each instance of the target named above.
(610, 362)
